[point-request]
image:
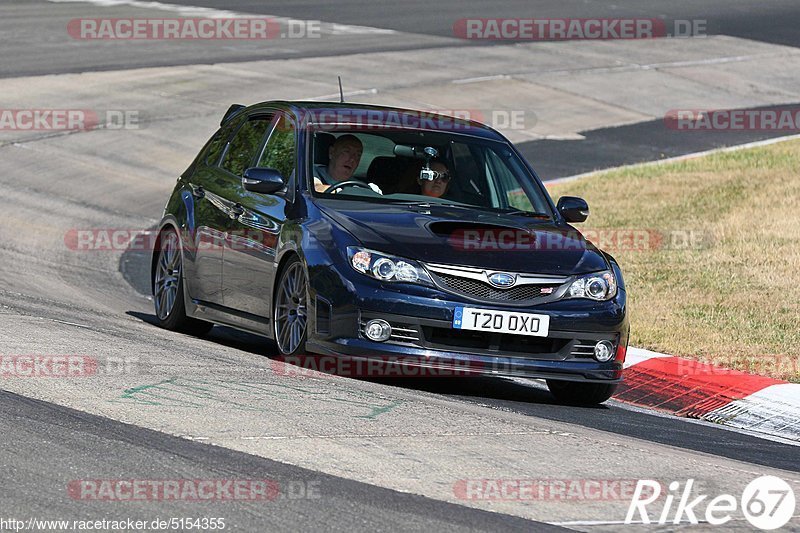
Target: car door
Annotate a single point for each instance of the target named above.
(221, 184)
(252, 237)
(206, 221)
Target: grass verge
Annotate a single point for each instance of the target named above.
(732, 298)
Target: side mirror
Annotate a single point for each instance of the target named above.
(262, 180)
(572, 208)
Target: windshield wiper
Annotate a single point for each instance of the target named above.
(487, 210)
(426, 204)
(531, 214)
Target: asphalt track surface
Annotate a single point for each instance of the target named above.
(60, 434)
(36, 44)
(36, 26)
(55, 302)
(625, 145)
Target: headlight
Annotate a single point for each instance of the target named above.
(387, 267)
(599, 286)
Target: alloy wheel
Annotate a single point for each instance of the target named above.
(290, 309)
(168, 276)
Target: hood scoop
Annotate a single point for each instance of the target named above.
(449, 229)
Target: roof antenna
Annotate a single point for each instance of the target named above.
(341, 94)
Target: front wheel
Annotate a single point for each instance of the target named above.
(577, 393)
(290, 309)
(168, 289)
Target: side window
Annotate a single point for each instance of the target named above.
(243, 146)
(505, 182)
(280, 152)
(218, 142)
(510, 189)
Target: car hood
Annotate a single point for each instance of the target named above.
(468, 237)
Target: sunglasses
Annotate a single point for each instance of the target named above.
(443, 176)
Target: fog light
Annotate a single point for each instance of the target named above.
(603, 351)
(378, 330)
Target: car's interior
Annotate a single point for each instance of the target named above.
(483, 174)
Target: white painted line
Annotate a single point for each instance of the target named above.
(73, 324)
(632, 522)
(330, 28)
(185, 11)
(736, 148)
(482, 78)
(711, 61)
(358, 92)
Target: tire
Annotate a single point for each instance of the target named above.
(577, 393)
(168, 300)
(289, 310)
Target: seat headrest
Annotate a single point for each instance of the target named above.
(384, 167)
(322, 144)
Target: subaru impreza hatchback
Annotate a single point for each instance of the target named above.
(441, 248)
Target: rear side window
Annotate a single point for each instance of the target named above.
(218, 143)
(242, 148)
(280, 152)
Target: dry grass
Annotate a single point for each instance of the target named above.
(736, 300)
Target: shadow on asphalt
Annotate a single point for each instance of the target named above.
(134, 264)
(474, 388)
(535, 401)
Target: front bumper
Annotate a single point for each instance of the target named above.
(422, 320)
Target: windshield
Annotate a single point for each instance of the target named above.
(424, 167)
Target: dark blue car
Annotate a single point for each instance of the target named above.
(366, 233)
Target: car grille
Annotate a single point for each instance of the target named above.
(583, 349)
(519, 345)
(484, 291)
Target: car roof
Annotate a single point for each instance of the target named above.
(308, 112)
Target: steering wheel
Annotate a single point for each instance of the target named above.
(347, 183)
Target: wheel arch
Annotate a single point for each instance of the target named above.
(286, 257)
(166, 224)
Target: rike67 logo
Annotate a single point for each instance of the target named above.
(767, 502)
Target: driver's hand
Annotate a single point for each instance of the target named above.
(319, 186)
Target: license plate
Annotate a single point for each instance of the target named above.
(501, 321)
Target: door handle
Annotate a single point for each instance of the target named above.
(237, 210)
(198, 192)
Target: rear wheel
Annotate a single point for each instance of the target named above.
(168, 289)
(290, 315)
(577, 393)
